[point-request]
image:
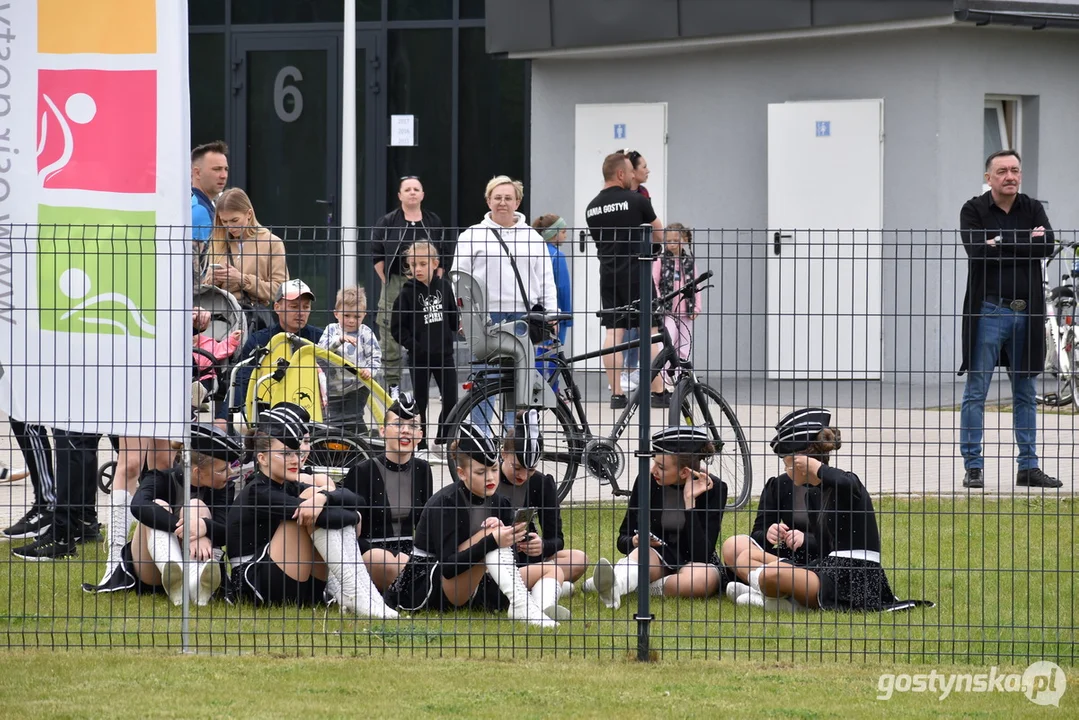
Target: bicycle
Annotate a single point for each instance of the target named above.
(569, 440)
(1060, 380)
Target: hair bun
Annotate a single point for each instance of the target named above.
(828, 440)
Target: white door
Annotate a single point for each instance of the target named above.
(601, 130)
(825, 214)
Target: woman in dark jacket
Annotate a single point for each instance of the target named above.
(393, 234)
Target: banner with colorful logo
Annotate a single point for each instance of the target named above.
(95, 258)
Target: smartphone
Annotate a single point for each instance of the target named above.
(657, 538)
(215, 266)
(524, 515)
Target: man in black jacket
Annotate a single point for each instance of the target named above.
(1005, 234)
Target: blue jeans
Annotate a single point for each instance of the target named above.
(998, 328)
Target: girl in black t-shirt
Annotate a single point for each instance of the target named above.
(463, 550)
(292, 536)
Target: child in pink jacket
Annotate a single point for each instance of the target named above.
(671, 271)
(220, 349)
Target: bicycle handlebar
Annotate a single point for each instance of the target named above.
(701, 279)
(1061, 247)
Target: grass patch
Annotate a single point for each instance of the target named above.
(151, 684)
(1002, 573)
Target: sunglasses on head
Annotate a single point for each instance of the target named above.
(631, 154)
(409, 177)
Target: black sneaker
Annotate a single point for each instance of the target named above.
(661, 400)
(88, 532)
(1034, 477)
(973, 479)
(47, 547)
(618, 402)
(118, 579)
(31, 525)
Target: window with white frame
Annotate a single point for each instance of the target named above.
(1001, 125)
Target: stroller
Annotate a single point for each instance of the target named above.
(226, 317)
(290, 368)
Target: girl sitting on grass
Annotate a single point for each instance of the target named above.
(685, 521)
(394, 488)
(548, 568)
(153, 559)
(850, 576)
(292, 536)
(463, 550)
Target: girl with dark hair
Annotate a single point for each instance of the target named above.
(462, 555)
(850, 576)
(547, 566)
(686, 518)
(292, 536)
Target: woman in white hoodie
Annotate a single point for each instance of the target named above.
(481, 255)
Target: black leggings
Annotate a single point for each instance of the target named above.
(445, 375)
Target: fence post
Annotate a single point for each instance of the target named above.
(644, 447)
(185, 548)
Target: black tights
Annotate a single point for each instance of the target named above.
(445, 375)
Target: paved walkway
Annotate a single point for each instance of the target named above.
(903, 452)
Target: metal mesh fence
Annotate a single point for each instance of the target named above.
(117, 540)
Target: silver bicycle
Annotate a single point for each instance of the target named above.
(1058, 386)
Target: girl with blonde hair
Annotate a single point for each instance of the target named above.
(244, 258)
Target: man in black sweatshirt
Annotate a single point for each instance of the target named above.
(425, 322)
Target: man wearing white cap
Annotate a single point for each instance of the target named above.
(292, 304)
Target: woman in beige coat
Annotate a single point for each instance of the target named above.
(244, 258)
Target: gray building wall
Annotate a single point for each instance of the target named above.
(933, 83)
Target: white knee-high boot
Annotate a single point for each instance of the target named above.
(165, 549)
(612, 583)
(502, 567)
(120, 521)
(546, 593)
(203, 581)
(342, 555)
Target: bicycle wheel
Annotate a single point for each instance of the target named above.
(563, 445)
(694, 403)
(335, 448)
(1056, 385)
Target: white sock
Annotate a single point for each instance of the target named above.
(625, 581)
(203, 581)
(358, 593)
(755, 579)
(545, 594)
(502, 567)
(120, 521)
(568, 589)
(655, 588)
(588, 586)
(165, 549)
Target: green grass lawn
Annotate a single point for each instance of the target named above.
(1002, 573)
(152, 684)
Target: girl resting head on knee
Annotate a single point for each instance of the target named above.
(686, 517)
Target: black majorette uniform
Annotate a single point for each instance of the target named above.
(168, 485)
(689, 535)
(453, 515)
(797, 507)
(538, 492)
(851, 576)
(256, 513)
(261, 507)
(392, 498)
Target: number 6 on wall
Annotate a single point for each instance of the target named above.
(282, 91)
